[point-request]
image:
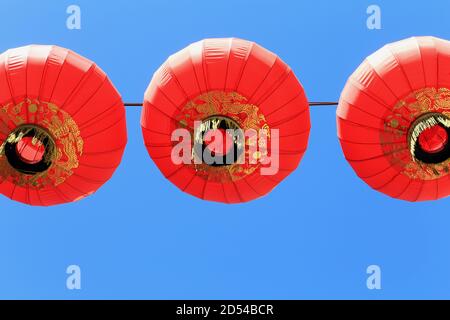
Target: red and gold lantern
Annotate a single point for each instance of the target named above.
(62, 126)
(394, 119)
(226, 84)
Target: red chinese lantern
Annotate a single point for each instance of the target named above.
(62, 126)
(214, 87)
(394, 119)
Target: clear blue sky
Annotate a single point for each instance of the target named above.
(312, 237)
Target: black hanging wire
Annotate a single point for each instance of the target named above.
(319, 104)
(133, 104)
(312, 104)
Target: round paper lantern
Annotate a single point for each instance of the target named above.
(394, 119)
(62, 126)
(225, 88)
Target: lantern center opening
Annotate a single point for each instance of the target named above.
(30, 149)
(429, 138)
(434, 139)
(219, 141)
